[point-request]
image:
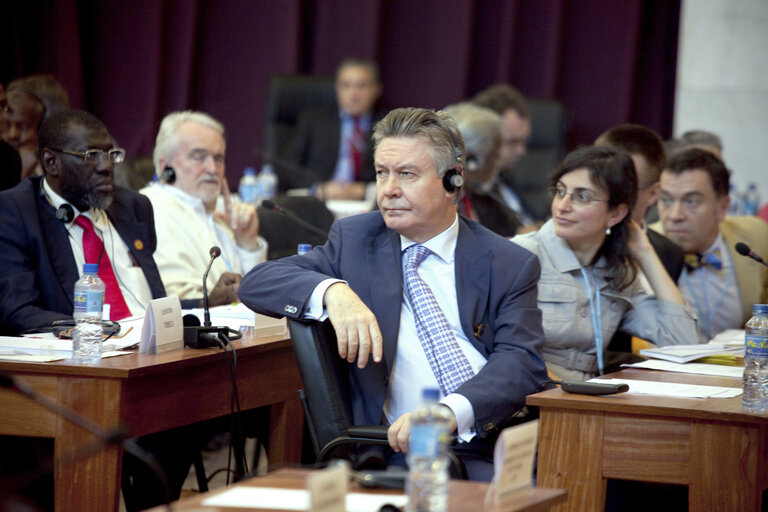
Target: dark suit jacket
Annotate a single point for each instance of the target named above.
(496, 289)
(494, 214)
(314, 147)
(37, 269)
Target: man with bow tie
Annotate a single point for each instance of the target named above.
(717, 282)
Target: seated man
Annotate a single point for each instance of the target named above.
(333, 143)
(480, 128)
(189, 158)
(43, 221)
(720, 284)
(22, 120)
(372, 277)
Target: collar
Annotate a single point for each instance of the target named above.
(365, 119)
(443, 245)
(561, 254)
(96, 215)
(188, 199)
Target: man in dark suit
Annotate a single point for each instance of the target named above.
(484, 287)
(332, 143)
(41, 240)
(647, 151)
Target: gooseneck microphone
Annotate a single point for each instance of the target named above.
(269, 205)
(215, 252)
(744, 250)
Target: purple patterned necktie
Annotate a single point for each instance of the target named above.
(448, 362)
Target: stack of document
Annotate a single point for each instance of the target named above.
(717, 353)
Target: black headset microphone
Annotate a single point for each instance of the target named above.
(744, 250)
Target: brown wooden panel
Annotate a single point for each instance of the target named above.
(21, 416)
(286, 431)
(570, 457)
(732, 458)
(646, 449)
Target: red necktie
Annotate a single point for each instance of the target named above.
(94, 251)
(356, 143)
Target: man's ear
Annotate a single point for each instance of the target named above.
(654, 191)
(50, 162)
(723, 204)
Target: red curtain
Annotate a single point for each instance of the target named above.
(132, 61)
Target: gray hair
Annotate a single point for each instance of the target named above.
(167, 136)
(480, 127)
(705, 138)
(436, 126)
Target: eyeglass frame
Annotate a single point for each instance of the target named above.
(555, 193)
(101, 154)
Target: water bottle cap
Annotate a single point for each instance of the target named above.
(90, 268)
(304, 248)
(249, 171)
(430, 394)
(760, 309)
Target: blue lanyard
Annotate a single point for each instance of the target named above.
(597, 319)
(705, 312)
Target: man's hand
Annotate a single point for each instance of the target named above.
(242, 218)
(357, 331)
(400, 431)
(225, 291)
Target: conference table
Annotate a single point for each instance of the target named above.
(149, 393)
(464, 496)
(711, 445)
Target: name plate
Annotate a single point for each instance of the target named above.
(513, 458)
(328, 489)
(163, 329)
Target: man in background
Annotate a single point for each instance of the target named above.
(515, 114)
(189, 158)
(720, 284)
(333, 143)
(22, 120)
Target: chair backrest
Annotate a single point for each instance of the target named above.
(288, 95)
(529, 178)
(283, 234)
(326, 380)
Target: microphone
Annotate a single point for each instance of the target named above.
(215, 252)
(205, 336)
(744, 250)
(269, 205)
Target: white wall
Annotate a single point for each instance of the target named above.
(722, 82)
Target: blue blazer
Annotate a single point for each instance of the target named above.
(496, 287)
(37, 267)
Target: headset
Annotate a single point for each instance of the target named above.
(168, 175)
(65, 213)
(453, 178)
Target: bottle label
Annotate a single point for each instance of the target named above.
(757, 345)
(425, 440)
(89, 301)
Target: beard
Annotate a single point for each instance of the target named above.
(97, 200)
(81, 198)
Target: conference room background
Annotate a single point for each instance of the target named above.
(132, 61)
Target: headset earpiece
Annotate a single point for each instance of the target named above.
(452, 179)
(65, 213)
(168, 175)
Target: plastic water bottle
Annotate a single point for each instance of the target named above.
(751, 201)
(248, 186)
(89, 303)
(304, 249)
(755, 396)
(427, 484)
(267, 183)
(736, 206)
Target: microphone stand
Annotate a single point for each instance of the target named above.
(117, 436)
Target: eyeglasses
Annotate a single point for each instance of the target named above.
(579, 197)
(94, 156)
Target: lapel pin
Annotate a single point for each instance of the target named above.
(138, 244)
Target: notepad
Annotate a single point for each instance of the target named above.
(687, 353)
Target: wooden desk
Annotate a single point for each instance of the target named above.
(464, 496)
(719, 451)
(150, 393)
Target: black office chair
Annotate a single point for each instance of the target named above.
(326, 397)
(287, 97)
(283, 234)
(550, 122)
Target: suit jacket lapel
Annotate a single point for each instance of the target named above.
(385, 276)
(472, 267)
(56, 241)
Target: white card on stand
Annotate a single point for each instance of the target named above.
(513, 458)
(163, 328)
